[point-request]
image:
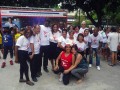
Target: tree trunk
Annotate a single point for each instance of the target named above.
(97, 24)
(91, 19)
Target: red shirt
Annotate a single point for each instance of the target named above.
(66, 61)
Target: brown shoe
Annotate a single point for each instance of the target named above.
(22, 80)
(29, 83)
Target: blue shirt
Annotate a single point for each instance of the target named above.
(7, 40)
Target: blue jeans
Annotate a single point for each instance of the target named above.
(96, 55)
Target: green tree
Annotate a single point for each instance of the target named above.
(95, 9)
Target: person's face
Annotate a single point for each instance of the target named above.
(64, 34)
(68, 48)
(55, 28)
(95, 32)
(80, 39)
(37, 30)
(9, 20)
(21, 32)
(76, 29)
(86, 32)
(27, 34)
(71, 27)
(73, 51)
(83, 25)
(71, 34)
(109, 29)
(29, 27)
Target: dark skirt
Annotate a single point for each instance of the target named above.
(54, 51)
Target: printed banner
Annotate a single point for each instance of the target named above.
(23, 18)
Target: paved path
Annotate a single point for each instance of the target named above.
(106, 79)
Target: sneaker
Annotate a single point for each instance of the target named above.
(3, 65)
(61, 77)
(11, 62)
(90, 65)
(98, 68)
(30, 83)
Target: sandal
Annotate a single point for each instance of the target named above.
(111, 64)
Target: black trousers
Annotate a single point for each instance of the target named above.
(66, 77)
(35, 65)
(6, 48)
(44, 52)
(23, 57)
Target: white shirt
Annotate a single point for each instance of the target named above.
(55, 36)
(70, 41)
(23, 43)
(86, 40)
(63, 41)
(104, 36)
(113, 40)
(45, 35)
(36, 41)
(82, 30)
(81, 46)
(95, 40)
(75, 36)
(9, 24)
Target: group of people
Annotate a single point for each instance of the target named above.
(70, 51)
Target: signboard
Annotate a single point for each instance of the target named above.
(23, 18)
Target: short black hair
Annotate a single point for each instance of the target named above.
(76, 26)
(75, 47)
(80, 34)
(113, 29)
(25, 31)
(64, 30)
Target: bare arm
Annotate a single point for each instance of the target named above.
(32, 50)
(59, 45)
(16, 54)
(76, 62)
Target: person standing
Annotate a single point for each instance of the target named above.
(86, 40)
(7, 46)
(54, 36)
(76, 32)
(35, 53)
(95, 44)
(62, 41)
(113, 42)
(71, 38)
(22, 55)
(45, 44)
(83, 27)
(1, 44)
(81, 44)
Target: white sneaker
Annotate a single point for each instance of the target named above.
(90, 65)
(98, 68)
(61, 77)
